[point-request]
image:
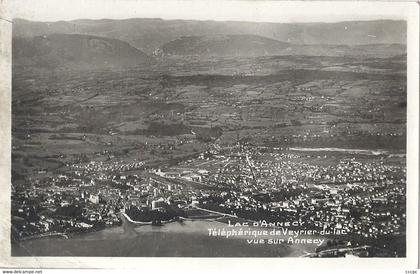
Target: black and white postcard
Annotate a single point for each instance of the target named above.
(226, 129)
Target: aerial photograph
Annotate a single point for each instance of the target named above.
(151, 137)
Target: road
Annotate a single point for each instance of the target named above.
(216, 212)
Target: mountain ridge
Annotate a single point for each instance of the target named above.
(148, 34)
(253, 45)
(76, 51)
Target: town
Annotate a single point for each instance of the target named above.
(141, 150)
(362, 196)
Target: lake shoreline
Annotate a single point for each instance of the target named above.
(186, 239)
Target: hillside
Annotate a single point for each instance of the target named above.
(253, 45)
(226, 45)
(150, 34)
(75, 51)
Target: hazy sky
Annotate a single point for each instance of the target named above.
(260, 11)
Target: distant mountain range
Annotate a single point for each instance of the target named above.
(75, 51)
(253, 45)
(150, 34)
(92, 44)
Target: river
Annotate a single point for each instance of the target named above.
(346, 150)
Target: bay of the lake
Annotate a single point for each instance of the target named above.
(187, 239)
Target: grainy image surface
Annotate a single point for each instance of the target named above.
(151, 137)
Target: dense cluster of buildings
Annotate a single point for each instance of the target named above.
(360, 196)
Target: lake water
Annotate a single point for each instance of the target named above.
(187, 239)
